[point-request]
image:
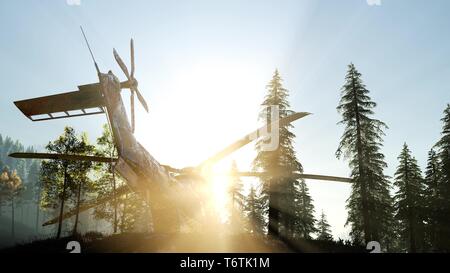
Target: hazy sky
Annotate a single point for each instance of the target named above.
(203, 67)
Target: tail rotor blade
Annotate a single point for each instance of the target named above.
(132, 57)
(121, 64)
(141, 99)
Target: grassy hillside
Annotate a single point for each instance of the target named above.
(144, 243)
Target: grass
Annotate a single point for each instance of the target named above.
(181, 243)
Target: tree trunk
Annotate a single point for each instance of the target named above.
(61, 210)
(411, 222)
(273, 210)
(75, 227)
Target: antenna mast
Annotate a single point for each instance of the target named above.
(105, 109)
(92, 55)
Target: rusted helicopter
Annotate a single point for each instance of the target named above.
(170, 192)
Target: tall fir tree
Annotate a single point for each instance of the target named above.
(443, 211)
(278, 187)
(324, 229)
(370, 205)
(304, 223)
(255, 211)
(408, 201)
(431, 200)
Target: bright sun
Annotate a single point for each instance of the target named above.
(203, 108)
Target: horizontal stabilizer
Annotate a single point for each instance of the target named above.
(64, 157)
(88, 101)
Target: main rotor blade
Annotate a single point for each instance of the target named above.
(132, 57)
(300, 175)
(90, 204)
(64, 157)
(121, 64)
(132, 111)
(249, 138)
(140, 97)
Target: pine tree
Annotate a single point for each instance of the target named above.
(255, 211)
(408, 200)
(370, 203)
(443, 212)
(324, 229)
(431, 200)
(304, 223)
(279, 188)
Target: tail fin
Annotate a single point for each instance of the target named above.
(87, 101)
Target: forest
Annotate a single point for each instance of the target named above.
(405, 213)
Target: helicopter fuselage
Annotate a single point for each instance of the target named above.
(143, 173)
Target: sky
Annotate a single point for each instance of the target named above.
(203, 66)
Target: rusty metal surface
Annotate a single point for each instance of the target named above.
(142, 172)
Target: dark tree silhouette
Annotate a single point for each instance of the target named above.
(323, 229)
(443, 212)
(431, 200)
(370, 204)
(255, 211)
(408, 200)
(303, 209)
